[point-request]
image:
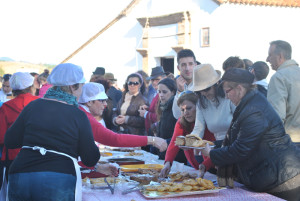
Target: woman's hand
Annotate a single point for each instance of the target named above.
(107, 169)
(120, 120)
(206, 151)
(158, 142)
(142, 112)
(165, 171)
(202, 170)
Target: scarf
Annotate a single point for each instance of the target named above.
(163, 107)
(60, 95)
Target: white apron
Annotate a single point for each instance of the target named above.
(78, 193)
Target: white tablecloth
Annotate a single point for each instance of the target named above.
(238, 193)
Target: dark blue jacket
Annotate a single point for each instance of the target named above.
(263, 153)
(115, 95)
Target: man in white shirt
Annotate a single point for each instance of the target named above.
(186, 62)
(284, 87)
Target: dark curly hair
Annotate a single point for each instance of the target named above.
(141, 81)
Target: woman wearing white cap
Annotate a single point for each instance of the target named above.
(46, 167)
(93, 100)
(22, 87)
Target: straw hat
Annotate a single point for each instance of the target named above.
(204, 76)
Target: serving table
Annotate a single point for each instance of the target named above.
(240, 192)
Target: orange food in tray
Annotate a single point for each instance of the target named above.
(135, 168)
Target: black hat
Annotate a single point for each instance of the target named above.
(156, 71)
(238, 75)
(99, 71)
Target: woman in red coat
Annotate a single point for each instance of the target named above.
(187, 102)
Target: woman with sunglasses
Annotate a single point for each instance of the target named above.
(256, 149)
(214, 111)
(128, 119)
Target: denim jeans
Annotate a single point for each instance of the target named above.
(44, 186)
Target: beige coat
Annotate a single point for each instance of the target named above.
(284, 96)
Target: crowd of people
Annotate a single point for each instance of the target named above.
(49, 120)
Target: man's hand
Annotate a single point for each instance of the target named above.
(180, 82)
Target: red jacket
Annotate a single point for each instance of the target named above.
(189, 154)
(110, 138)
(9, 112)
(151, 115)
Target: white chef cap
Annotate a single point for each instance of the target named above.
(92, 91)
(21, 80)
(66, 74)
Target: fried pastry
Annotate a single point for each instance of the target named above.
(151, 188)
(193, 141)
(190, 182)
(180, 141)
(187, 188)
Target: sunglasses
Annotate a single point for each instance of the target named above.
(133, 83)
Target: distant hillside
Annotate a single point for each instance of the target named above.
(6, 59)
(13, 66)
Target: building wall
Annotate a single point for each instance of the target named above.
(247, 30)
(235, 30)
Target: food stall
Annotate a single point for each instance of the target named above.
(124, 188)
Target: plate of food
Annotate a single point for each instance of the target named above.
(174, 189)
(192, 142)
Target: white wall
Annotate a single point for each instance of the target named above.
(246, 31)
(236, 30)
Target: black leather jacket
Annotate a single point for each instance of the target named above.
(167, 121)
(263, 153)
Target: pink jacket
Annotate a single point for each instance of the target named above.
(151, 115)
(44, 89)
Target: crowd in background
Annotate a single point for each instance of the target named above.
(255, 125)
